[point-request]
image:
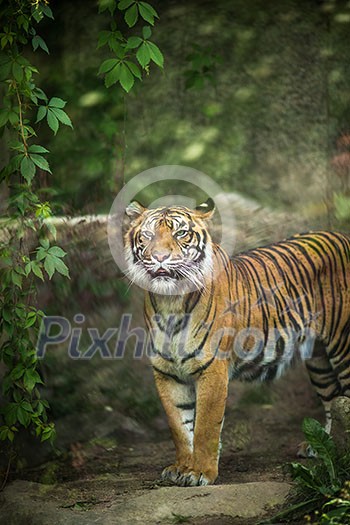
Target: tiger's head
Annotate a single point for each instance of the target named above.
(168, 250)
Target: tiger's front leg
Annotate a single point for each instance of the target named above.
(179, 403)
(197, 453)
(211, 395)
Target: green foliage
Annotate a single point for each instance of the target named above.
(20, 268)
(336, 511)
(123, 69)
(54, 114)
(322, 485)
(203, 67)
(323, 445)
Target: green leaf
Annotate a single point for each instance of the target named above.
(37, 14)
(146, 15)
(322, 444)
(52, 121)
(29, 380)
(17, 71)
(57, 251)
(23, 416)
(156, 54)
(304, 475)
(37, 270)
(62, 117)
(146, 32)
(40, 94)
(147, 12)
(134, 69)
(17, 372)
(26, 406)
(7, 315)
(126, 78)
(124, 4)
(4, 116)
(19, 269)
(61, 267)
(119, 49)
(3, 432)
(28, 269)
(113, 76)
(14, 118)
(41, 254)
(37, 41)
(34, 148)
(47, 11)
(45, 243)
(48, 434)
(41, 162)
(107, 65)
(131, 15)
(56, 102)
(16, 279)
(17, 395)
(133, 42)
(143, 55)
(149, 8)
(103, 38)
(31, 319)
(49, 265)
(41, 113)
(27, 169)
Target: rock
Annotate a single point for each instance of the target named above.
(340, 411)
(24, 502)
(245, 500)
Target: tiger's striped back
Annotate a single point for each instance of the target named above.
(296, 294)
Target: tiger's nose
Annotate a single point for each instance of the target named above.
(160, 256)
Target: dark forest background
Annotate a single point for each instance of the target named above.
(254, 94)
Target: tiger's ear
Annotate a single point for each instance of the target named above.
(206, 209)
(134, 210)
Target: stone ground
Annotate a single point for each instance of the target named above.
(111, 480)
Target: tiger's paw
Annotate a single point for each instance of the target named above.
(188, 478)
(305, 450)
(170, 473)
(194, 479)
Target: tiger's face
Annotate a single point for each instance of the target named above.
(168, 250)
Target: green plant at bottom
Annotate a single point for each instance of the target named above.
(322, 485)
(336, 511)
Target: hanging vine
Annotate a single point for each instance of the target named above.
(22, 263)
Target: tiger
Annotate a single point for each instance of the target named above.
(212, 317)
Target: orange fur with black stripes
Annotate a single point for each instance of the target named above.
(212, 318)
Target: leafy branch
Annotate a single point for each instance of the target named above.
(133, 52)
(20, 268)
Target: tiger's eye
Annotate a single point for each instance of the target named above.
(181, 233)
(147, 234)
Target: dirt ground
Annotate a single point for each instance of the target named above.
(260, 437)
